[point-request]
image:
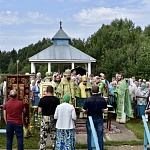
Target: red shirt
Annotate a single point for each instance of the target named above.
(14, 109)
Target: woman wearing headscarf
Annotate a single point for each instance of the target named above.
(35, 90)
(112, 97)
(141, 95)
(132, 91)
(66, 116)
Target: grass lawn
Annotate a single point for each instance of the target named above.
(29, 143)
(134, 125)
(137, 127)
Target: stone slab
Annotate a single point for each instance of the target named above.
(125, 135)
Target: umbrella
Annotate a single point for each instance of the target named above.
(79, 70)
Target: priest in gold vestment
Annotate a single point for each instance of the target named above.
(83, 92)
(66, 86)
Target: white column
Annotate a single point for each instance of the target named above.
(72, 65)
(32, 67)
(89, 68)
(86, 68)
(59, 68)
(49, 67)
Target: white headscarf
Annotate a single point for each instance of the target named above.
(131, 83)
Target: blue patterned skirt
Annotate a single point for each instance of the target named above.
(65, 139)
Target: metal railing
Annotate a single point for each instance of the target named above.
(2, 131)
(94, 139)
(146, 133)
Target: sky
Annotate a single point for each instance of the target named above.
(25, 22)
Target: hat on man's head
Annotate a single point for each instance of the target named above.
(48, 74)
(67, 72)
(84, 78)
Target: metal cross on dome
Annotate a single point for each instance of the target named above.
(60, 25)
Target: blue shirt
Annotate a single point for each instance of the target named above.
(95, 105)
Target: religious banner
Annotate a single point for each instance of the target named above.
(43, 87)
(20, 83)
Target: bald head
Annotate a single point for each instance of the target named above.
(13, 94)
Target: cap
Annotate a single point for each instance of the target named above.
(67, 72)
(48, 74)
(84, 78)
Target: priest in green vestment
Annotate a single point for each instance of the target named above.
(102, 86)
(124, 107)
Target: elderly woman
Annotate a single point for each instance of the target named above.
(148, 86)
(142, 95)
(65, 134)
(35, 90)
(132, 91)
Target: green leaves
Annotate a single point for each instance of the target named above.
(12, 69)
(118, 48)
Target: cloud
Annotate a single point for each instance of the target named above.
(146, 4)
(38, 18)
(79, 0)
(12, 18)
(80, 20)
(20, 39)
(103, 15)
(98, 15)
(72, 0)
(8, 18)
(142, 2)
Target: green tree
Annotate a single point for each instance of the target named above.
(42, 69)
(11, 67)
(78, 43)
(143, 57)
(13, 55)
(25, 69)
(115, 47)
(147, 31)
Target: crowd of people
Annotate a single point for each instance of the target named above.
(78, 86)
(128, 96)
